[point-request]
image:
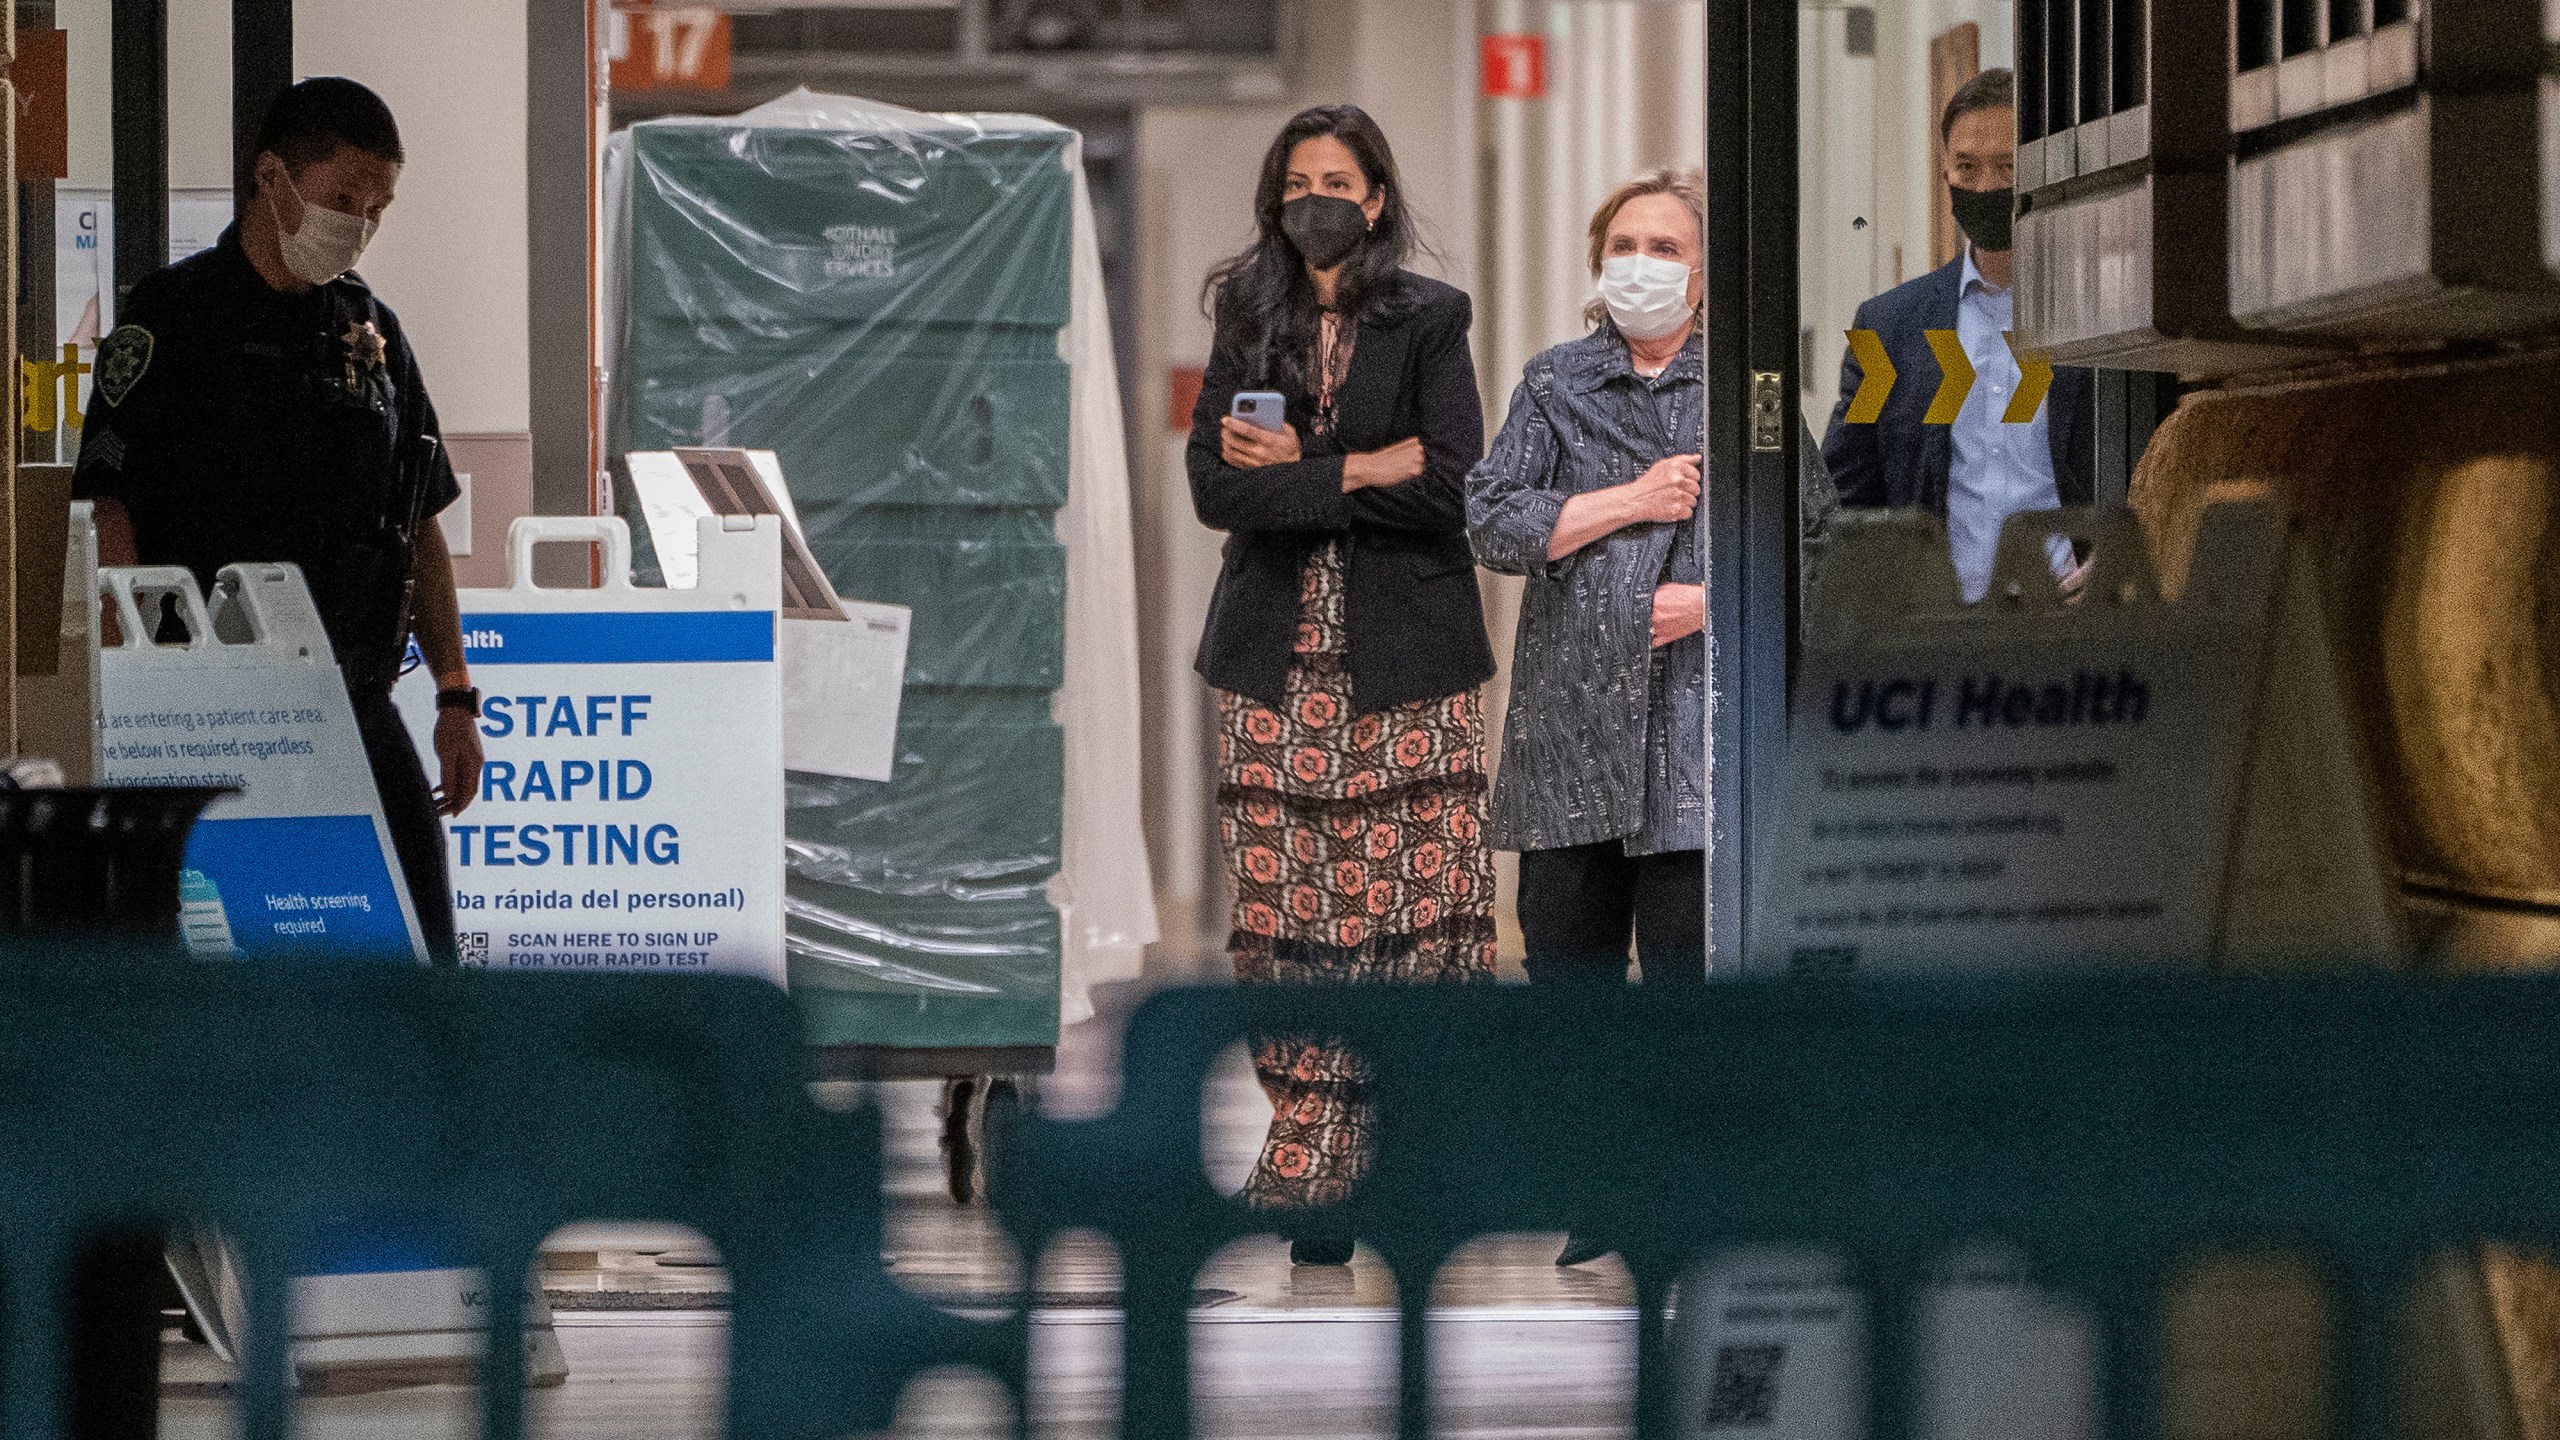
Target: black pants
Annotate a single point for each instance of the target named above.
(1579, 905)
(409, 808)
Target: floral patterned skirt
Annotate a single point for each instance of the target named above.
(1356, 843)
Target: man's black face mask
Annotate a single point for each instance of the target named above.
(1984, 214)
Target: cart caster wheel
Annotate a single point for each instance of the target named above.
(961, 1163)
(966, 1101)
(1000, 1097)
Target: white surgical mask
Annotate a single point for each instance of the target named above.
(1648, 296)
(328, 244)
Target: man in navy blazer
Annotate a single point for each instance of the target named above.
(1980, 470)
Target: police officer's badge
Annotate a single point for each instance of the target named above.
(121, 361)
(365, 351)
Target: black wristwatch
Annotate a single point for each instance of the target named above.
(460, 697)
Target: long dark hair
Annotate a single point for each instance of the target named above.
(1261, 300)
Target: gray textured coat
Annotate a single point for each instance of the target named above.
(1585, 682)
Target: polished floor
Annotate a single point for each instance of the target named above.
(1526, 1351)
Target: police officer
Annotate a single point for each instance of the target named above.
(257, 403)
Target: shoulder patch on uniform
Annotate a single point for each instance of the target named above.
(121, 361)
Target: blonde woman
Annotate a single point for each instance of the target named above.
(1589, 492)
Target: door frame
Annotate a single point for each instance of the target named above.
(1749, 510)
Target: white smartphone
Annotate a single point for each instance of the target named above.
(1262, 409)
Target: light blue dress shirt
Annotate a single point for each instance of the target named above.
(1997, 469)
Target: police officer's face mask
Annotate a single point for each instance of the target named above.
(328, 244)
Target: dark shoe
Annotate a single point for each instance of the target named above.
(1320, 1250)
(959, 1145)
(1582, 1249)
(1320, 1240)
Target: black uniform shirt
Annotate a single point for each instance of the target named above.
(237, 423)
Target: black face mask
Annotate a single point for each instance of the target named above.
(1984, 214)
(1325, 228)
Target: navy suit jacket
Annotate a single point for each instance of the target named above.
(1899, 462)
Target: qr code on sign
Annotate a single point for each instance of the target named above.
(473, 949)
(1746, 1385)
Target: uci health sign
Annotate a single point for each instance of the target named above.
(629, 816)
(2038, 780)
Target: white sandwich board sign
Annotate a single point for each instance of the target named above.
(2029, 780)
(370, 1329)
(2036, 781)
(629, 816)
(299, 864)
(1776, 1349)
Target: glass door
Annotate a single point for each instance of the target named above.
(1874, 325)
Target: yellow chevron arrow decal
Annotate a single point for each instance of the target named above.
(1955, 378)
(1876, 371)
(2035, 377)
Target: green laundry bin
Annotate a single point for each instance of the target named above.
(880, 297)
(988, 587)
(936, 973)
(867, 415)
(963, 223)
(968, 804)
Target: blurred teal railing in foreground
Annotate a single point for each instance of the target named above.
(2104, 1128)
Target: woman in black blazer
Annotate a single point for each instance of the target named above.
(1346, 639)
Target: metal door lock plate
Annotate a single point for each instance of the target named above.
(1768, 411)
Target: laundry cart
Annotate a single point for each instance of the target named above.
(880, 297)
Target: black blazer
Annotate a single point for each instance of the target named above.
(1900, 462)
(1415, 621)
